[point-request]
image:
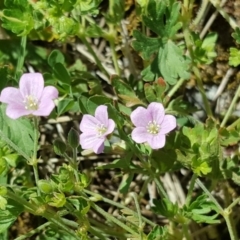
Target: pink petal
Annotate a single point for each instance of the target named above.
(157, 112)
(168, 124)
(49, 92)
(101, 114)
(156, 141)
(31, 84)
(88, 123)
(99, 146)
(45, 107)
(15, 111)
(91, 141)
(140, 134)
(11, 95)
(46, 104)
(111, 126)
(140, 117)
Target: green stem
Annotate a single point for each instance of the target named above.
(116, 204)
(230, 225)
(34, 231)
(186, 233)
(21, 57)
(190, 190)
(202, 91)
(34, 160)
(201, 13)
(196, 71)
(233, 204)
(229, 19)
(140, 225)
(113, 219)
(75, 164)
(201, 185)
(174, 89)
(114, 57)
(50, 216)
(90, 49)
(160, 188)
(234, 124)
(231, 107)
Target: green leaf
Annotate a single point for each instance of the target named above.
(61, 73)
(180, 107)
(94, 31)
(18, 18)
(94, 101)
(65, 105)
(151, 72)
(166, 14)
(236, 35)
(125, 92)
(4, 71)
(172, 63)
(158, 233)
(10, 214)
(19, 131)
(55, 57)
(125, 183)
(234, 58)
(145, 45)
(3, 203)
(204, 51)
(165, 208)
(149, 92)
(89, 6)
(200, 209)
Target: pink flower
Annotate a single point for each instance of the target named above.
(152, 125)
(32, 98)
(95, 129)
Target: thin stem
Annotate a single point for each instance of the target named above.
(50, 216)
(34, 231)
(116, 204)
(113, 219)
(202, 91)
(229, 19)
(187, 37)
(98, 62)
(233, 204)
(190, 190)
(160, 188)
(230, 225)
(75, 164)
(201, 185)
(34, 160)
(174, 89)
(186, 233)
(21, 57)
(140, 225)
(114, 57)
(231, 107)
(201, 13)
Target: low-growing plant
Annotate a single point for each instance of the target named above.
(132, 114)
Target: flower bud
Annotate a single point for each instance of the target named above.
(3, 191)
(73, 138)
(45, 186)
(56, 199)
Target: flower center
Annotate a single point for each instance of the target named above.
(153, 127)
(101, 129)
(30, 103)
